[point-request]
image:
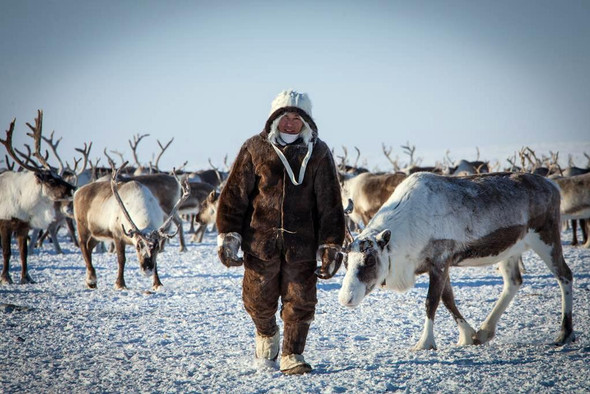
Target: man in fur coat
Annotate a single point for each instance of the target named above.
(282, 205)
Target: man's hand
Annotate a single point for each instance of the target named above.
(331, 257)
(228, 246)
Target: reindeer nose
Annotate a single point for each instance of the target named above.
(346, 298)
(147, 267)
(148, 271)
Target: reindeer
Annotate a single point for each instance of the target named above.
(207, 215)
(103, 210)
(575, 200)
(199, 192)
(167, 190)
(465, 167)
(64, 211)
(570, 171)
(27, 198)
(164, 187)
(368, 191)
(212, 176)
(431, 223)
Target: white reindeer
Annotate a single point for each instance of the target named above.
(432, 223)
(104, 210)
(27, 200)
(167, 191)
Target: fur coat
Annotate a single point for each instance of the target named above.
(273, 215)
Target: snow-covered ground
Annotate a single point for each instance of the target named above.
(194, 335)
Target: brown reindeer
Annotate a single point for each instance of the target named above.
(126, 213)
(368, 192)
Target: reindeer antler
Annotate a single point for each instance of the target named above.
(162, 150)
(115, 189)
(387, 153)
(13, 152)
(36, 135)
(53, 146)
(136, 140)
(186, 190)
(409, 150)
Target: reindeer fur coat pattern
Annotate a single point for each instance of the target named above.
(272, 214)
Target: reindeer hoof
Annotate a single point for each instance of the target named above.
(418, 348)
(565, 338)
(483, 336)
(91, 285)
(6, 280)
(26, 280)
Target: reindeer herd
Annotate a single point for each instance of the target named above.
(106, 206)
(414, 220)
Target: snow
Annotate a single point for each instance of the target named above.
(195, 336)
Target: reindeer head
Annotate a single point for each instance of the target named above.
(208, 209)
(54, 186)
(366, 266)
(147, 247)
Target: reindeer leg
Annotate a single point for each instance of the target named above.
(86, 245)
(512, 280)
(178, 222)
(585, 225)
(157, 284)
(553, 258)
(22, 232)
(466, 332)
(200, 233)
(574, 232)
(52, 230)
(438, 278)
(120, 249)
(5, 233)
(72, 231)
(192, 223)
(33, 242)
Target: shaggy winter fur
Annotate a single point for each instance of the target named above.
(266, 207)
(431, 223)
(27, 201)
(99, 217)
(23, 196)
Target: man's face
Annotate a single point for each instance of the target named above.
(290, 123)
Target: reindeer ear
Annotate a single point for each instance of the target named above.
(383, 238)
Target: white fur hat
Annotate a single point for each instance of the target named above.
(291, 98)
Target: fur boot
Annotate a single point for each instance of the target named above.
(294, 364)
(267, 348)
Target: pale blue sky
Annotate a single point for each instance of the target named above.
(443, 75)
